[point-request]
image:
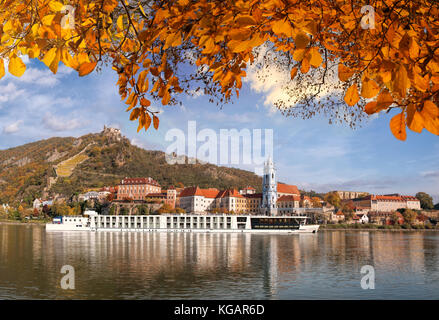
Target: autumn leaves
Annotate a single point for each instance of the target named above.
(162, 48)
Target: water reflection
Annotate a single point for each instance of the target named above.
(124, 265)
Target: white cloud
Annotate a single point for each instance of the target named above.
(10, 92)
(55, 123)
(42, 77)
(13, 127)
(275, 83)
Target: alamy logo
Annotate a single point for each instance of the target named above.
(368, 280)
(231, 146)
(68, 281)
(368, 20)
(68, 20)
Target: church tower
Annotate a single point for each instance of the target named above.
(269, 189)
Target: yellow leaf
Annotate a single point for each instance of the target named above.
(47, 20)
(351, 97)
(369, 88)
(397, 126)
(430, 109)
(51, 59)
(56, 6)
(120, 22)
(16, 66)
(86, 68)
(316, 58)
(155, 122)
(2, 68)
(344, 73)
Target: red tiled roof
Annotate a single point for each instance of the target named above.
(289, 198)
(249, 188)
(229, 193)
(210, 193)
(389, 198)
(134, 181)
(196, 191)
(287, 188)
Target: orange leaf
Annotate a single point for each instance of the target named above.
(371, 107)
(304, 68)
(145, 102)
(16, 66)
(293, 72)
(351, 97)
(369, 88)
(430, 114)
(316, 58)
(344, 73)
(301, 40)
(155, 122)
(415, 121)
(86, 68)
(397, 126)
(401, 81)
(2, 68)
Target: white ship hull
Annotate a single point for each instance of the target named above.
(185, 223)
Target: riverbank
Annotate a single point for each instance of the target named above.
(373, 227)
(37, 222)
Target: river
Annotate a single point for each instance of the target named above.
(124, 265)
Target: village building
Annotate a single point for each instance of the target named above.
(347, 195)
(287, 203)
(137, 188)
(336, 217)
(247, 190)
(387, 203)
(168, 197)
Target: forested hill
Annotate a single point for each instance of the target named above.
(68, 166)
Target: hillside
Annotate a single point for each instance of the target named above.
(97, 160)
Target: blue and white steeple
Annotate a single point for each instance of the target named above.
(269, 189)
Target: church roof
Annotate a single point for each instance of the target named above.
(287, 188)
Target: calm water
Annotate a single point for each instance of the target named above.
(116, 265)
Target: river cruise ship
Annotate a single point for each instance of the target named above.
(183, 223)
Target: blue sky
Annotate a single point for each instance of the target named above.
(309, 153)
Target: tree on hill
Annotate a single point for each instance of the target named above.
(315, 201)
(409, 215)
(426, 200)
(436, 206)
(333, 198)
(385, 52)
